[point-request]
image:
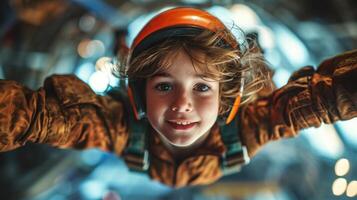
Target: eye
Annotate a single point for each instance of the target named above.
(164, 87)
(201, 87)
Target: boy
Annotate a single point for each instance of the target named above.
(178, 103)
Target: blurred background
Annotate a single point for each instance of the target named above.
(43, 37)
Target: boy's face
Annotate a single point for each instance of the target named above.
(182, 105)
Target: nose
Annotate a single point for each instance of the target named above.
(182, 103)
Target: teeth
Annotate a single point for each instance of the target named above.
(183, 123)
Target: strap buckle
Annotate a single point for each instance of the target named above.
(137, 161)
(234, 158)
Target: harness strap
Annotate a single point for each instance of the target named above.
(237, 154)
(136, 154)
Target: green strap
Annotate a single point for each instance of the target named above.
(236, 155)
(136, 154)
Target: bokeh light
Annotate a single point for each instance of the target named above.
(99, 81)
(339, 186)
(352, 189)
(342, 167)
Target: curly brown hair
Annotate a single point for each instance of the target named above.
(221, 62)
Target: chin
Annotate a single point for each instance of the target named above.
(182, 142)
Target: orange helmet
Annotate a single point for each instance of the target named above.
(181, 21)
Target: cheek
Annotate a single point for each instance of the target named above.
(151, 104)
(155, 106)
(208, 108)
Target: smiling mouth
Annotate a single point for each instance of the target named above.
(182, 125)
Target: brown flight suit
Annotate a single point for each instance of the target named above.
(66, 113)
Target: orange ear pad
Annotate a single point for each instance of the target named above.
(178, 22)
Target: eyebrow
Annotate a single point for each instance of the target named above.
(165, 74)
(161, 74)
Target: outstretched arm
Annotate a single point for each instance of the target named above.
(64, 113)
(311, 97)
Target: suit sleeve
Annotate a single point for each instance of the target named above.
(64, 113)
(311, 97)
